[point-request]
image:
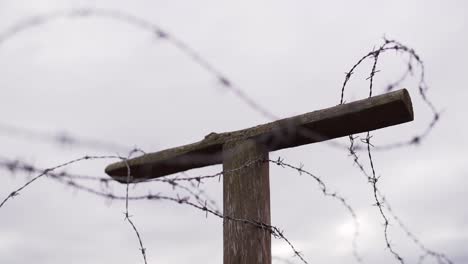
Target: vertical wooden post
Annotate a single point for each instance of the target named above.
(246, 195)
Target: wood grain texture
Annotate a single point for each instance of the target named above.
(246, 194)
(341, 120)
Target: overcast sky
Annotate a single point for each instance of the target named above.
(98, 78)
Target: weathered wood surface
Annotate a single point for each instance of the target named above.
(246, 194)
(342, 120)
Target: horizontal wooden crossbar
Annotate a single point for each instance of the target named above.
(360, 116)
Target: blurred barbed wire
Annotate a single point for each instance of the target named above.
(61, 138)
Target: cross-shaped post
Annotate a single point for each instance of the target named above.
(246, 191)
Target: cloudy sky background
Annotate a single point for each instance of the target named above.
(102, 79)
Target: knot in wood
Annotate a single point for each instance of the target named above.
(211, 135)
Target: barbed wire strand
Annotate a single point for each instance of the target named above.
(61, 138)
(276, 232)
(300, 169)
(46, 171)
(373, 179)
(15, 165)
(158, 31)
(127, 214)
(143, 24)
(441, 258)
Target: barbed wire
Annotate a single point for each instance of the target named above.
(372, 179)
(181, 200)
(48, 170)
(146, 25)
(275, 231)
(194, 190)
(127, 214)
(143, 24)
(61, 138)
(381, 203)
(161, 34)
(393, 45)
(300, 169)
(441, 258)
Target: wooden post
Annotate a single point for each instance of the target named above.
(360, 116)
(247, 190)
(246, 195)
